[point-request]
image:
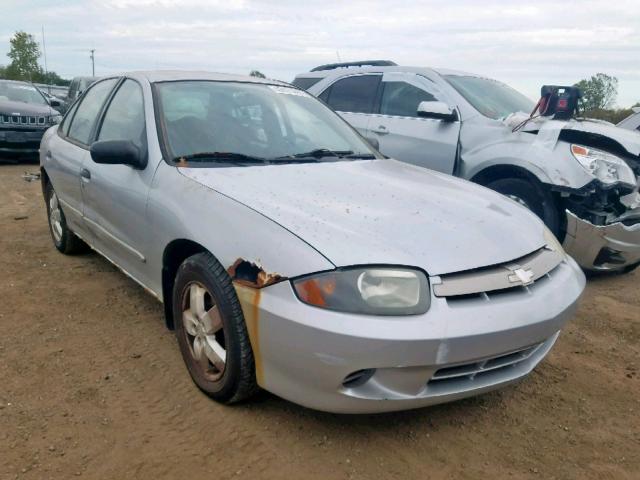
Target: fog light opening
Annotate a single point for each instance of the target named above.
(358, 378)
(609, 255)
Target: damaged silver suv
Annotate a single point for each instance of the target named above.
(578, 175)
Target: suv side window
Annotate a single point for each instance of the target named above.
(402, 99)
(87, 112)
(124, 119)
(355, 94)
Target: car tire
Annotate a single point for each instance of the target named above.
(63, 238)
(533, 197)
(211, 330)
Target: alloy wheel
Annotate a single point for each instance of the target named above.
(55, 217)
(204, 330)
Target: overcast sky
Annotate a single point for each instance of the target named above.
(524, 44)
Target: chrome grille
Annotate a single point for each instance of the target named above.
(26, 120)
(521, 272)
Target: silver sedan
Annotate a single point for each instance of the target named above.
(290, 255)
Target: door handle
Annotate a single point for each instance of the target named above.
(86, 174)
(381, 130)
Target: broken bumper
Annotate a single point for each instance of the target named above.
(347, 363)
(602, 247)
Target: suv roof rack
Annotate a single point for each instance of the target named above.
(364, 63)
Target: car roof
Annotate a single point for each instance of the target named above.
(155, 76)
(341, 71)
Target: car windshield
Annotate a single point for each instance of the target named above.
(491, 98)
(203, 120)
(21, 92)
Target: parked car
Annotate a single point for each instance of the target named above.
(25, 114)
(290, 254)
(77, 86)
(632, 122)
(579, 176)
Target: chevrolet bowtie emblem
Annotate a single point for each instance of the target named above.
(521, 275)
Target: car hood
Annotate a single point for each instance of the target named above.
(9, 107)
(383, 212)
(627, 139)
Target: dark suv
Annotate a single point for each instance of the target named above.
(25, 114)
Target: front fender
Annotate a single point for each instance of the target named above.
(551, 162)
(181, 208)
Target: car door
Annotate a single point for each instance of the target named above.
(353, 97)
(69, 150)
(426, 142)
(115, 196)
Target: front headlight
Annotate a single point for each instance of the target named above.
(604, 166)
(368, 290)
(55, 119)
(552, 242)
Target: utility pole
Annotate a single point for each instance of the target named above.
(44, 49)
(93, 63)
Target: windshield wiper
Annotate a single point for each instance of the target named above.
(224, 157)
(361, 156)
(318, 153)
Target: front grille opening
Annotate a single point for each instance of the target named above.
(472, 370)
(358, 378)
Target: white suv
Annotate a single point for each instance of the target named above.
(578, 175)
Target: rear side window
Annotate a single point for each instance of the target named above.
(402, 99)
(305, 83)
(124, 119)
(87, 112)
(354, 94)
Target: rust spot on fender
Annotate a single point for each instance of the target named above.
(248, 278)
(250, 303)
(252, 275)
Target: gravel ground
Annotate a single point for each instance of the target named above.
(93, 385)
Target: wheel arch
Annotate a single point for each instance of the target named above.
(176, 252)
(498, 172)
(44, 180)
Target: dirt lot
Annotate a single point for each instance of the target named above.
(92, 385)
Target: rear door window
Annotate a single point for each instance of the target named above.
(355, 94)
(87, 112)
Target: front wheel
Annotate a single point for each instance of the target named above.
(211, 330)
(533, 197)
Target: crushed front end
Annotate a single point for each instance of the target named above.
(603, 229)
(603, 217)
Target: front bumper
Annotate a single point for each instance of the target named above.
(457, 349)
(20, 140)
(602, 247)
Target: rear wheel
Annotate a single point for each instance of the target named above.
(63, 238)
(533, 197)
(211, 330)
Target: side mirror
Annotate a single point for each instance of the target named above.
(118, 152)
(373, 142)
(54, 103)
(437, 110)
